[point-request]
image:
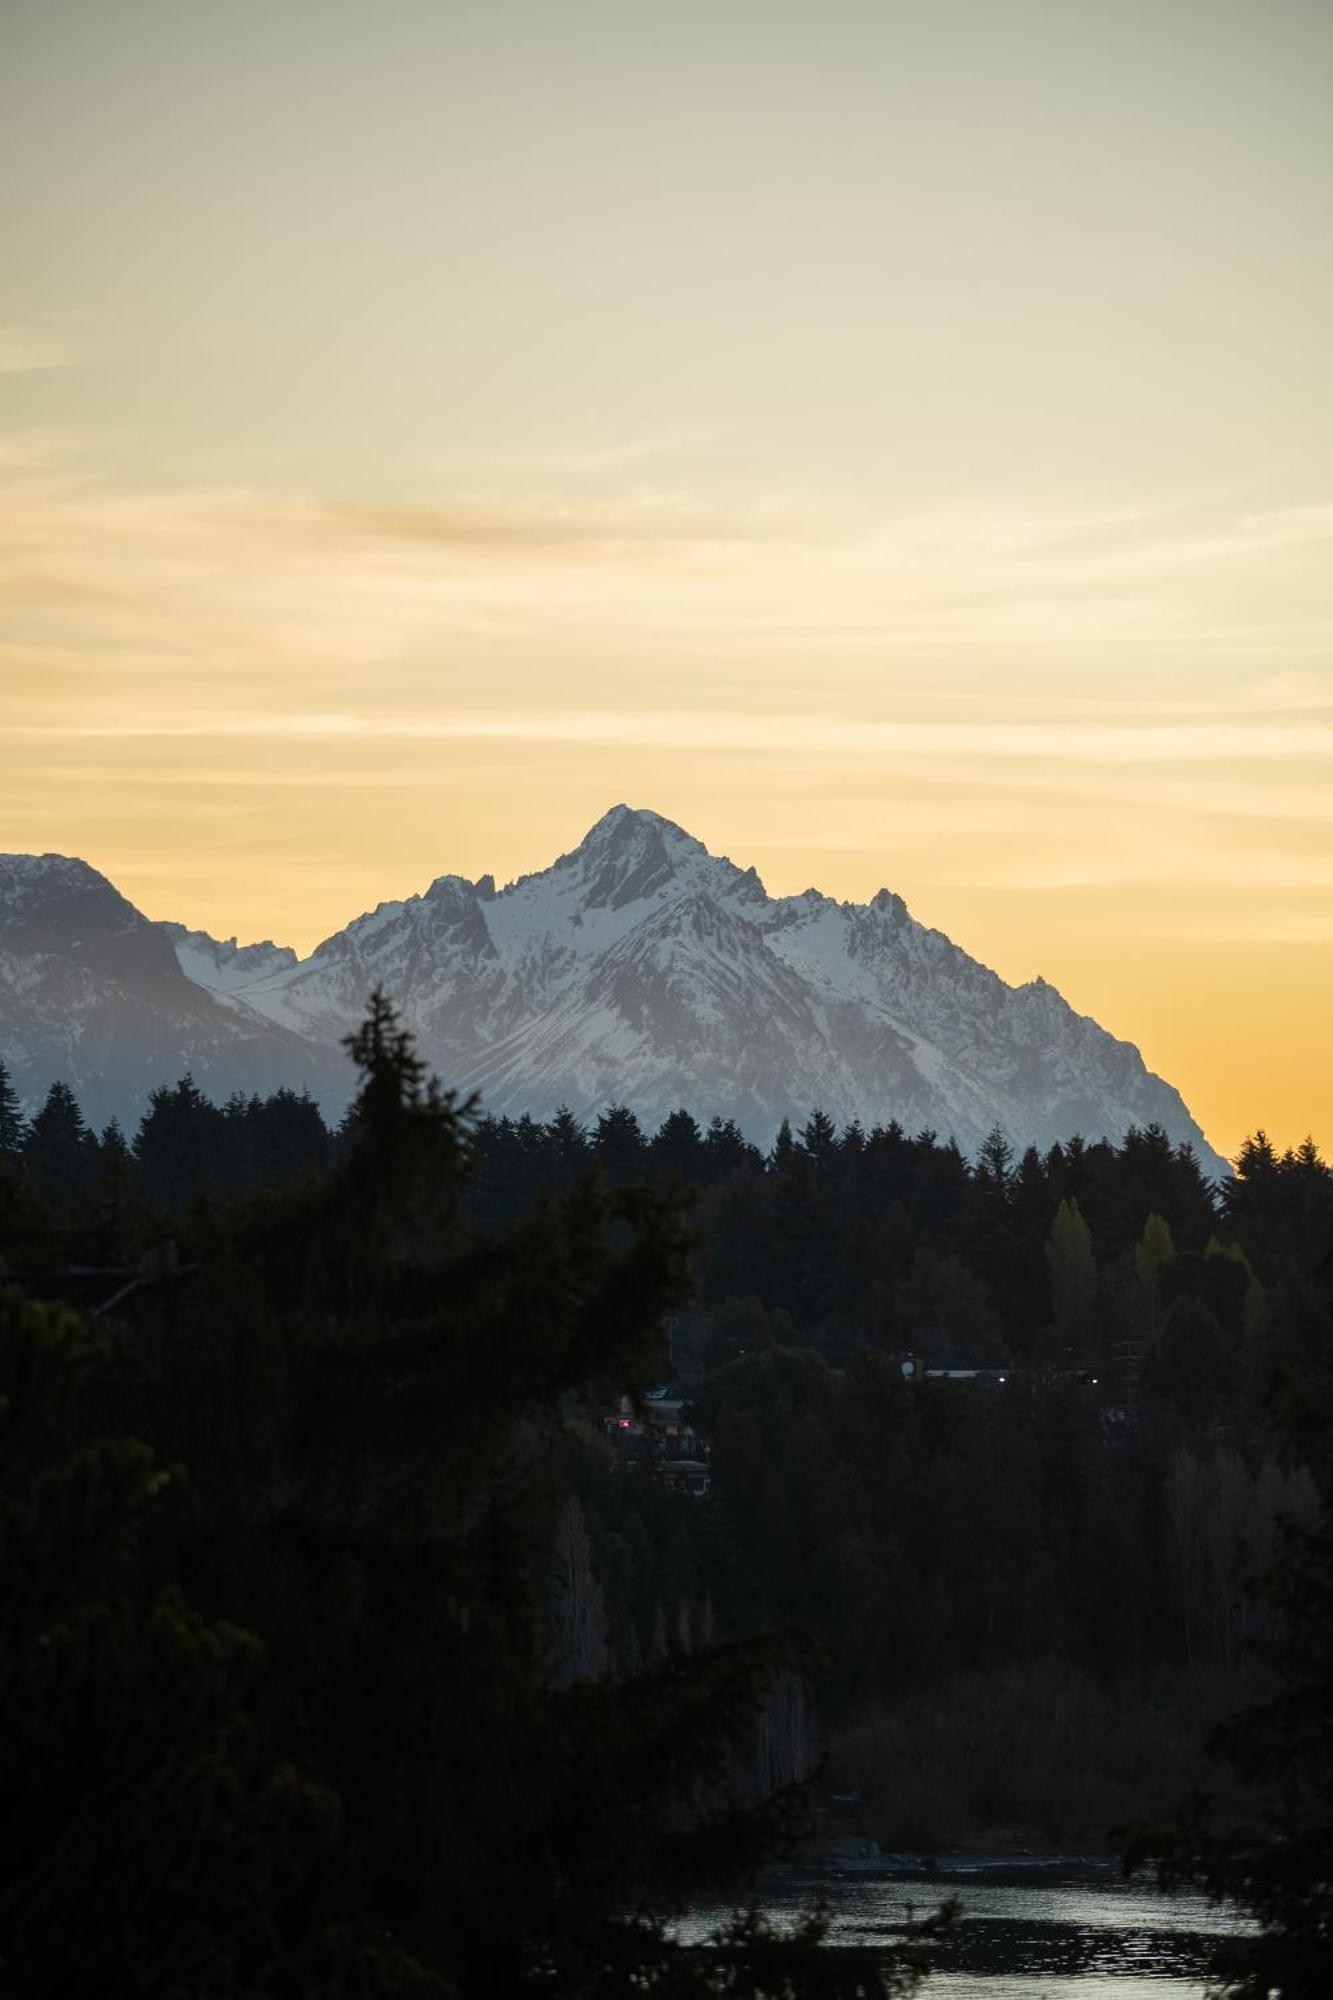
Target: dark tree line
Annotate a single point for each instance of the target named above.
(995, 1433)
(1273, 1854)
(1031, 1580)
(396, 1793)
(185, 1147)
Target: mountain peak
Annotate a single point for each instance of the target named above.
(32, 885)
(450, 888)
(621, 823)
(638, 968)
(47, 870)
(886, 904)
(630, 853)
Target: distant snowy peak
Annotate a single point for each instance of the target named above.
(93, 994)
(45, 886)
(448, 910)
(640, 968)
(627, 858)
(221, 964)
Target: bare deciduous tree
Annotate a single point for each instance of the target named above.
(577, 1604)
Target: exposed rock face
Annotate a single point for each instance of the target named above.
(221, 964)
(638, 969)
(93, 993)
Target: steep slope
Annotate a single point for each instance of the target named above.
(221, 964)
(639, 967)
(92, 993)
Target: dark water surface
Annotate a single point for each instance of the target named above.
(1042, 1928)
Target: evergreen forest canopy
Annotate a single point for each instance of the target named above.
(988, 1447)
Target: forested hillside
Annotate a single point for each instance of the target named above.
(396, 1790)
(997, 1432)
(994, 1433)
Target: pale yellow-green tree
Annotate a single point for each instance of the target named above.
(1155, 1248)
(1153, 1251)
(1073, 1268)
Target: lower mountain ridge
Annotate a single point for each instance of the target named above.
(638, 969)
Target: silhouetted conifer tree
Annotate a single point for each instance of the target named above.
(995, 1162)
(727, 1148)
(618, 1145)
(819, 1137)
(117, 1208)
(60, 1152)
(13, 1125)
(569, 1147)
(180, 1140)
(512, 1834)
(677, 1149)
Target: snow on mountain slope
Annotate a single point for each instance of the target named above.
(220, 964)
(641, 968)
(92, 993)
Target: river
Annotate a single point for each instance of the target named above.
(1044, 1927)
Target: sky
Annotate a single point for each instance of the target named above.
(892, 440)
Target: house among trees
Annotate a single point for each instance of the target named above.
(659, 1438)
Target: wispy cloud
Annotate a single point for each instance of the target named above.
(298, 580)
(577, 461)
(29, 345)
(711, 730)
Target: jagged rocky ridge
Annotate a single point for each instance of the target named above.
(638, 969)
(93, 993)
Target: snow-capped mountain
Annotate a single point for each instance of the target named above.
(221, 964)
(642, 969)
(93, 993)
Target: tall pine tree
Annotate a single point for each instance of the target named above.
(13, 1125)
(512, 1833)
(60, 1151)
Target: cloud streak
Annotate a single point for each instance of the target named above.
(31, 346)
(1143, 743)
(1010, 696)
(300, 579)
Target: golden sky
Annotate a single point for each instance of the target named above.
(893, 441)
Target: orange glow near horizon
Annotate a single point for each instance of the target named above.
(1236, 1023)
